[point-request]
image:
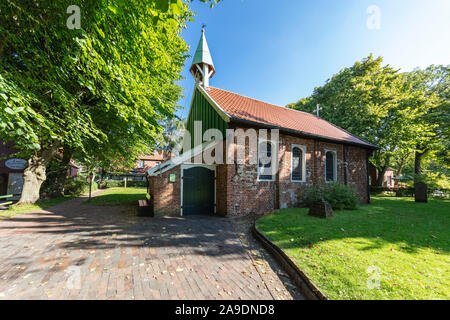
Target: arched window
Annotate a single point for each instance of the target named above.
(330, 166)
(298, 164)
(265, 172)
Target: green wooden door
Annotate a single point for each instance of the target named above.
(198, 191)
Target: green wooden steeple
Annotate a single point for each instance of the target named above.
(202, 67)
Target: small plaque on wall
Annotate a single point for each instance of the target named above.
(172, 177)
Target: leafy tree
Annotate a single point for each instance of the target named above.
(98, 91)
(56, 174)
(374, 102)
(172, 136)
(434, 81)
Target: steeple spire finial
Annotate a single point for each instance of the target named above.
(202, 67)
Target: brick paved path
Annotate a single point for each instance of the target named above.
(78, 251)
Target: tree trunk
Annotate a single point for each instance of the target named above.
(102, 174)
(419, 194)
(399, 170)
(61, 176)
(34, 175)
(400, 164)
(418, 163)
(380, 177)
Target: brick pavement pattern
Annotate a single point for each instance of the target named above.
(78, 251)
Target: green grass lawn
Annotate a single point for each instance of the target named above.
(407, 242)
(119, 197)
(40, 205)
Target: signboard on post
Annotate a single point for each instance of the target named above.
(15, 184)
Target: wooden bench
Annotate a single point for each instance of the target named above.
(144, 209)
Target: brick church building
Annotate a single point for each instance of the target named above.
(308, 150)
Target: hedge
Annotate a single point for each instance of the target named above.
(339, 196)
(78, 187)
(120, 184)
(408, 192)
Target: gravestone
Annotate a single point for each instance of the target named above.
(321, 209)
(421, 192)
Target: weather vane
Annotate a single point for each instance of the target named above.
(203, 26)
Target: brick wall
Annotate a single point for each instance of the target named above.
(238, 191)
(221, 189)
(245, 194)
(166, 195)
(148, 164)
(357, 171)
(289, 190)
(374, 176)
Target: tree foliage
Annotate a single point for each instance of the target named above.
(434, 81)
(171, 138)
(377, 103)
(100, 90)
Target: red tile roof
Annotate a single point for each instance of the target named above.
(157, 156)
(239, 107)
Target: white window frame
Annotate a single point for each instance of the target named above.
(389, 181)
(334, 165)
(139, 164)
(274, 152)
(303, 148)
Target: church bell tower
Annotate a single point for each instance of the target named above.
(202, 67)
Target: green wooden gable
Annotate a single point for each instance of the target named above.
(202, 110)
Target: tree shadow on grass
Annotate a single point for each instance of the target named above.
(408, 225)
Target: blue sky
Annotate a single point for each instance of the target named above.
(278, 51)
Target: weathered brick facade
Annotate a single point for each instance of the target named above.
(238, 191)
(357, 177)
(166, 195)
(221, 189)
(245, 194)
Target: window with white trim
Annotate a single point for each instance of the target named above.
(298, 163)
(330, 166)
(389, 181)
(265, 169)
(141, 164)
